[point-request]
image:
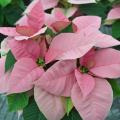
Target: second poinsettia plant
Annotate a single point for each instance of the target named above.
(57, 58)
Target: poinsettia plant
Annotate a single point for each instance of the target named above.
(56, 64)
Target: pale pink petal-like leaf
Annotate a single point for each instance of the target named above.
(81, 1)
(4, 77)
(103, 40)
(25, 30)
(59, 15)
(85, 22)
(27, 82)
(96, 106)
(59, 25)
(21, 74)
(41, 31)
(85, 82)
(114, 13)
(106, 63)
(9, 31)
(35, 14)
(43, 48)
(24, 48)
(68, 46)
(47, 4)
(59, 78)
(56, 15)
(23, 21)
(51, 106)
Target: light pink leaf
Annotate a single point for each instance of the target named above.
(25, 30)
(39, 32)
(35, 14)
(47, 4)
(22, 75)
(85, 82)
(59, 78)
(4, 77)
(85, 22)
(56, 16)
(51, 106)
(24, 48)
(95, 106)
(9, 31)
(59, 15)
(43, 48)
(23, 21)
(28, 81)
(68, 46)
(103, 40)
(59, 25)
(114, 13)
(106, 63)
(81, 1)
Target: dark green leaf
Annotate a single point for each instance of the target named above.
(73, 115)
(10, 61)
(68, 29)
(17, 101)
(31, 112)
(1, 17)
(94, 9)
(115, 87)
(116, 29)
(12, 13)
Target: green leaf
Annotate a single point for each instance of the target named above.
(74, 115)
(50, 32)
(106, 30)
(10, 61)
(12, 13)
(68, 29)
(32, 112)
(116, 29)
(94, 9)
(17, 101)
(4, 3)
(115, 87)
(69, 105)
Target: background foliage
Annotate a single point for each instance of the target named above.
(11, 11)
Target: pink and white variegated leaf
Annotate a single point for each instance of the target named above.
(85, 82)
(35, 14)
(68, 46)
(51, 106)
(114, 13)
(106, 63)
(95, 106)
(59, 78)
(22, 75)
(21, 49)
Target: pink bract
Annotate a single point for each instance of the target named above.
(29, 25)
(114, 13)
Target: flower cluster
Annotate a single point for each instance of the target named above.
(61, 53)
